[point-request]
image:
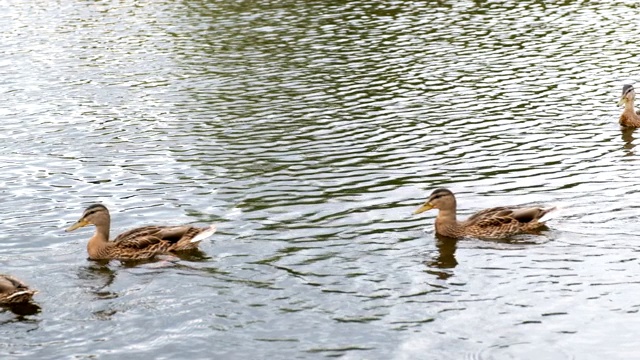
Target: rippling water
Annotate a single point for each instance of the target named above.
(309, 131)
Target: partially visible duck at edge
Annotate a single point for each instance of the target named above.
(629, 116)
(14, 291)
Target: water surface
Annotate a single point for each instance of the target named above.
(309, 132)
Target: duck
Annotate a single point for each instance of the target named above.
(493, 223)
(139, 243)
(14, 291)
(629, 116)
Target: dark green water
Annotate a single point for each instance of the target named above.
(308, 132)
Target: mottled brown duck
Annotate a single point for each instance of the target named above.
(629, 116)
(139, 243)
(497, 222)
(14, 291)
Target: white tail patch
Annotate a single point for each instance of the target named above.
(20, 293)
(553, 213)
(205, 234)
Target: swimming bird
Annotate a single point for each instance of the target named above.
(497, 222)
(629, 116)
(14, 291)
(139, 243)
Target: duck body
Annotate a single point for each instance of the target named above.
(14, 291)
(629, 117)
(497, 222)
(139, 243)
(145, 242)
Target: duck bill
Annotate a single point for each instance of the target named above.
(423, 208)
(622, 101)
(80, 223)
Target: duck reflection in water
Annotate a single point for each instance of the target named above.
(627, 137)
(100, 272)
(22, 309)
(444, 259)
(99, 277)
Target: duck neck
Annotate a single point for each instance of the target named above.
(99, 240)
(629, 106)
(446, 219)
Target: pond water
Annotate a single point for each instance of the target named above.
(309, 132)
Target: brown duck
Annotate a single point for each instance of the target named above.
(498, 222)
(14, 291)
(139, 243)
(629, 116)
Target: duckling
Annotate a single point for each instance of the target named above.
(629, 116)
(498, 222)
(139, 243)
(14, 291)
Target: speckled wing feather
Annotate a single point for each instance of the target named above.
(156, 239)
(507, 221)
(487, 213)
(496, 222)
(171, 234)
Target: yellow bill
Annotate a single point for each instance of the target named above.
(622, 101)
(423, 208)
(80, 223)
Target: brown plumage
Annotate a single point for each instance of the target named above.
(14, 291)
(140, 243)
(498, 222)
(629, 116)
